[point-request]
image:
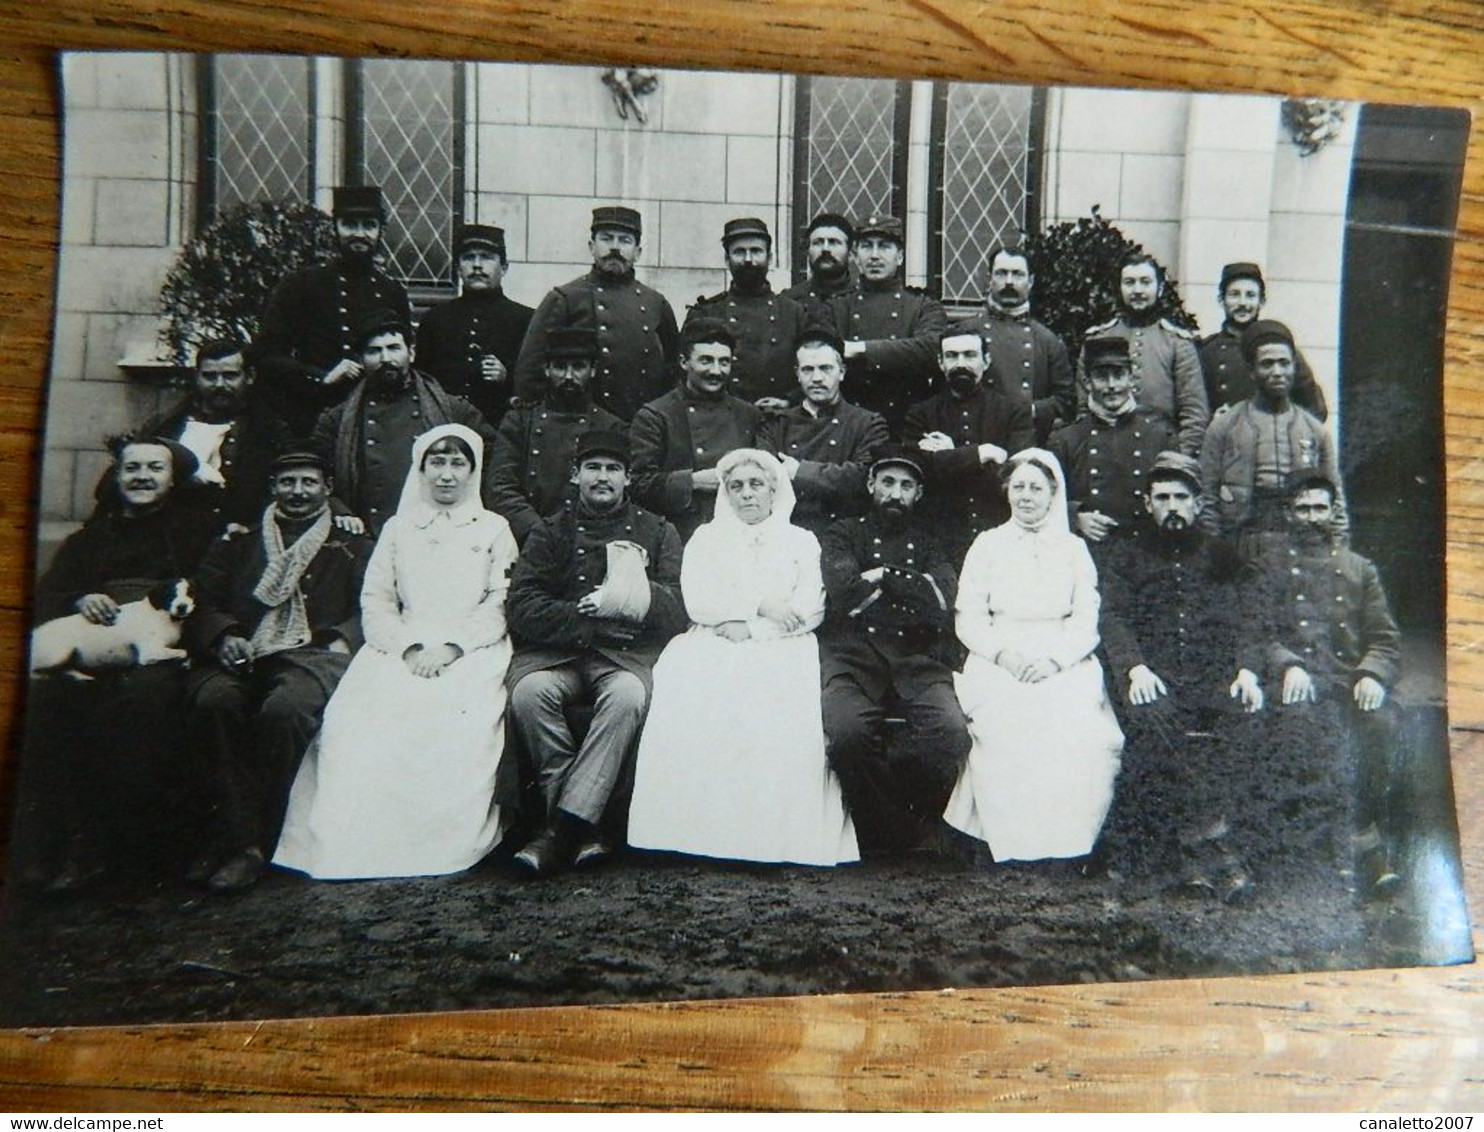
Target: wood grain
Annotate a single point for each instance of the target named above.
(1398, 1041)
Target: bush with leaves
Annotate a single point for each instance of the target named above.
(1076, 268)
(223, 278)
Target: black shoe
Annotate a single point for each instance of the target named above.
(594, 851)
(241, 871)
(199, 871)
(549, 852)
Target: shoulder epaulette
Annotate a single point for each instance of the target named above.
(1102, 326)
(1177, 331)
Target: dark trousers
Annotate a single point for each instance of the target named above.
(249, 730)
(894, 790)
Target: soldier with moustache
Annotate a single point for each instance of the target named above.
(1165, 361)
(634, 323)
(891, 331)
(306, 351)
(825, 443)
(887, 646)
(1242, 292)
(1106, 453)
(765, 325)
(962, 436)
(1026, 354)
(471, 343)
(571, 649)
(1184, 653)
(679, 438)
(827, 243)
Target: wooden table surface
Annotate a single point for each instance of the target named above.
(1404, 1041)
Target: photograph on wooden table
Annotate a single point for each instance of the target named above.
(527, 534)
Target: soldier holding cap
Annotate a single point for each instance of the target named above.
(369, 435)
(306, 350)
(1242, 292)
(471, 343)
(277, 618)
(1184, 648)
(634, 323)
(891, 331)
(887, 645)
(531, 461)
(577, 642)
(825, 443)
(1253, 447)
(765, 324)
(827, 243)
(1028, 355)
(1106, 453)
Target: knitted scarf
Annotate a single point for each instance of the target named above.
(286, 624)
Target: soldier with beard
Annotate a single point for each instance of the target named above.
(887, 646)
(1175, 629)
(531, 461)
(764, 324)
(962, 437)
(634, 323)
(1242, 292)
(306, 348)
(1025, 353)
(827, 244)
(1107, 453)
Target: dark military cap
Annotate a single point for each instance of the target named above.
(1175, 465)
(706, 330)
(617, 216)
(831, 220)
(888, 226)
(382, 321)
(299, 454)
(602, 442)
(1261, 333)
(1306, 479)
(1106, 350)
(580, 342)
(746, 226)
(479, 236)
(359, 200)
(895, 453)
(1241, 271)
(819, 335)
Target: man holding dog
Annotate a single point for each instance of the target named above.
(277, 618)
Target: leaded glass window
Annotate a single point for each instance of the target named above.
(256, 131)
(984, 152)
(850, 146)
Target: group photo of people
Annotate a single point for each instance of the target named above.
(838, 577)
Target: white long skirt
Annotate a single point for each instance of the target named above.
(1039, 779)
(731, 763)
(400, 781)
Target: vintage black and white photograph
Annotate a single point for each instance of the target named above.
(520, 535)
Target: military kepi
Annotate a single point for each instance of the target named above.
(896, 454)
(479, 236)
(1107, 350)
(1240, 271)
(1262, 332)
(359, 200)
(571, 342)
(745, 226)
(602, 442)
(888, 227)
(619, 217)
(1175, 465)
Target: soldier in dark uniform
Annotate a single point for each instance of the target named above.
(571, 650)
(278, 614)
(825, 443)
(1025, 353)
(634, 323)
(766, 325)
(531, 463)
(1164, 356)
(306, 349)
(1184, 657)
(887, 646)
(1333, 662)
(962, 436)
(827, 244)
(1242, 292)
(678, 438)
(232, 435)
(369, 435)
(470, 344)
(1107, 453)
(891, 331)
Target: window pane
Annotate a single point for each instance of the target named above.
(986, 177)
(262, 128)
(851, 146)
(408, 111)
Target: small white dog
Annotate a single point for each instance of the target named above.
(146, 631)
